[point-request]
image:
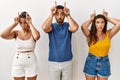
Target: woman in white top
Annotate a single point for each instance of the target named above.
(24, 64)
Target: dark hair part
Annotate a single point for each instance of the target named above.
(92, 38)
(60, 7)
(23, 14)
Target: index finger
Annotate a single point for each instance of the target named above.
(55, 3)
(103, 10)
(94, 12)
(18, 14)
(65, 5)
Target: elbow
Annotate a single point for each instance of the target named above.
(2, 35)
(75, 28)
(82, 27)
(37, 38)
(44, 28)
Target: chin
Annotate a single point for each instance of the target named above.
(60, 22)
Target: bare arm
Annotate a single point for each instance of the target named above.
(86, 24)
(35, 32)
(46, 26)
(8, 33)
(115, 28)
(73, 25)
(114, 21)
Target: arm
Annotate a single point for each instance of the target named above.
(86, 24)
(34, 31)
(73, 25)
(46, 26)
(114, 21)
(115, 28)
(8, 33)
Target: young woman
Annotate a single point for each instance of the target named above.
(97, 64)
(24, 64)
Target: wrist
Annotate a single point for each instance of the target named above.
(67, 15)
(15, 23)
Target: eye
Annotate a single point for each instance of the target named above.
(20, 22)
(102, 22)
(97, 22)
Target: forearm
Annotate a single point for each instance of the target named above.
(35, 32)
(115, 28)
(114, 21)
(73, 25)
(46, 26)
(86, 24)
(8, 30)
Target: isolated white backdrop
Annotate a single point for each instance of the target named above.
(39, 11)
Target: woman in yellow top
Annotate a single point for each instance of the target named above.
(97, 64)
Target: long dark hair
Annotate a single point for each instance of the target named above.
(92, 38)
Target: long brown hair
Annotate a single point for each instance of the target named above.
(92, 38)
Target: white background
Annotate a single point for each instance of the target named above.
(39, 11)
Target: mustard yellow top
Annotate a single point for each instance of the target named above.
(100, 48)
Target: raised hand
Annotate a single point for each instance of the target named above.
(66, 10)
(92, 16)
(105, 13)
(28, 19)
(16, 19)
(53, 9)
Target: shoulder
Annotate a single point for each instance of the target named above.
(66, 23)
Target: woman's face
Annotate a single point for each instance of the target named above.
(100, 23)
(24, 24)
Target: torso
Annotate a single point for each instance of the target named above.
(101, 47)
(24, 36)
(24, 41)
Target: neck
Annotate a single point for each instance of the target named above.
(99, 33)
(25, 30)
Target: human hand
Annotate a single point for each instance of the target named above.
(66, 10)
(16, 19)
(92, 16)
(105, 13)
(28, 19)
(53, 9)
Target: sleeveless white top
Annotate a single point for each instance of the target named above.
(25, 45)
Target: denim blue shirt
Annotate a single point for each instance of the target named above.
(60, 43)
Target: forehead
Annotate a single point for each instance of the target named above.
(99, 19)
(22, 19)
(59, 10)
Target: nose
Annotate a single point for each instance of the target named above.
(59, 16)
